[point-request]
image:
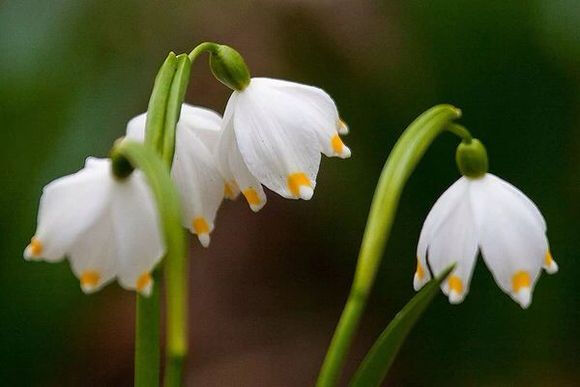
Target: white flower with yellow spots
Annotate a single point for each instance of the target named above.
(490, 215)
(194, 170)
(107, 227)
(273, 134)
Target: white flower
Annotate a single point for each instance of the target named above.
(274, 132)
(194, 171)
(106, 226)
(490, 215)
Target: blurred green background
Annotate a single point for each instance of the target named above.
(266, 295)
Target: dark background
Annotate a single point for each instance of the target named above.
(266, 295)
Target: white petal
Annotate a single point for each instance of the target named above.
(234, 169)
(518, 196)
(204, 123)
(277, 139)
(534, 216)
(441, 210)
(454, 240)
(199, 183)
(68, 207)
(512, 244)
(319, 112)
(93, 256)
(226, 142)
(139, 241)
(136, 128)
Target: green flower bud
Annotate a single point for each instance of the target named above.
(471, 158)
(228, 66)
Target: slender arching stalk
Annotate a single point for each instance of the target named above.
(132, 154)
(148, 310)
(162, 117)
(201, 48)
(175, 265)
(403, 159)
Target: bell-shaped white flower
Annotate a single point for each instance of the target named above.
(490, 215)
(194, 171)
(274, 132)
(107, 227)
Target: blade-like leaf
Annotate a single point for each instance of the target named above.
(379, 359)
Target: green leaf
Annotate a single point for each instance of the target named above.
(401, 162)
(379, 359)
(158, 103)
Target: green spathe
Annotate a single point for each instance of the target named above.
(471, 158)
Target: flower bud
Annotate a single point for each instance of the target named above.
(228, 66)
(471, 158)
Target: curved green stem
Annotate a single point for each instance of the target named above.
(201, 48)
(460, 131)
(403, 159)
(148, 310)
(162, 117)
(176, 265)
(144, 158)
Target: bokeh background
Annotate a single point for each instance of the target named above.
(266, 295)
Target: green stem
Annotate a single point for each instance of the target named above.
(201, 48)
(148, 310)
(176, 266)
(460, 131)
(403, 159)
(174, 371)
(176, 298)
(145, 158)
(147, 328)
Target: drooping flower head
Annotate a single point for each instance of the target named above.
(482, 213)
(194, 170)
(273, 132)
(106, 226)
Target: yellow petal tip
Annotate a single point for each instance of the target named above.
(90, 280)
(300, 185)
(144, 284)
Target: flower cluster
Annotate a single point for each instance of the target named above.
(272, 134)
